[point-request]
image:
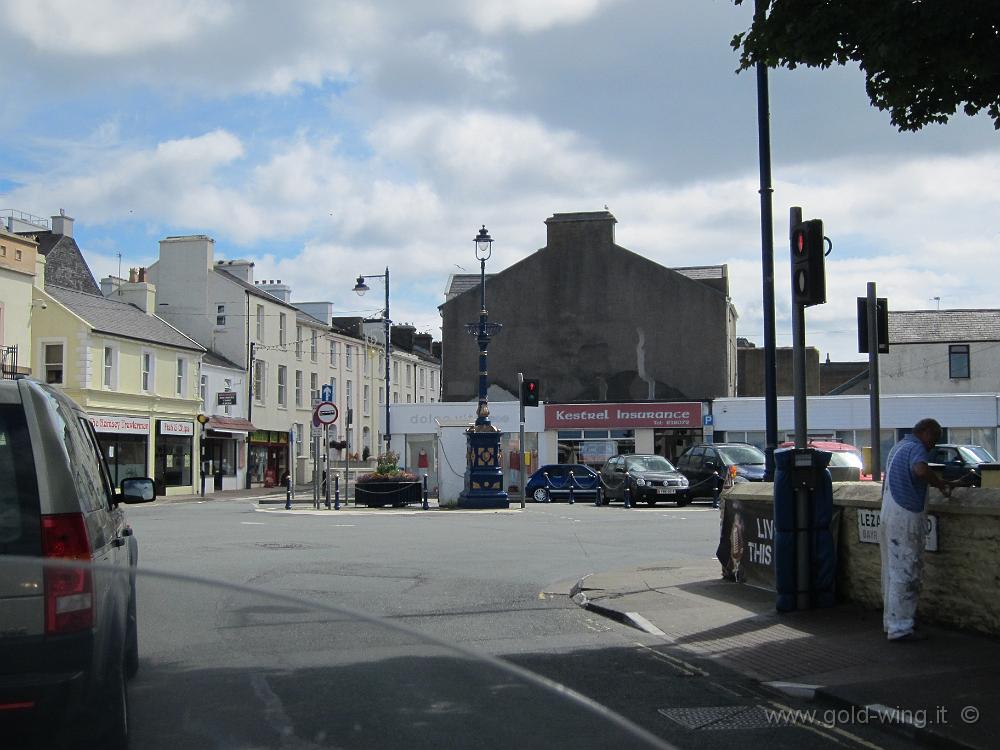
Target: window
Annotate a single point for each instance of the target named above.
(109, 367)
(333, 387)
(282, 329)
(203, 391)
(422, 381)
(395, 397)
(367, 398)
(298, 388)
(54, 364)
(409, 398)
(409, 375)
(958, 361)
(432, 380)
(395, 372)
(312, 346)
(147, 372)
(348, 354)
(348, 393)
(298, 341)
(313, 386)
(220, 315)
(17, 254)
(282, 386)
(229, 387)
(421, 399)
(333, 354)
(260, 323)
(181, 377)
(381, 396)
(258, 381)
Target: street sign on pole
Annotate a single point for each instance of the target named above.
(326, 392)
(326, 412)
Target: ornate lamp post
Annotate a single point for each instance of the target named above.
(483, 475)
(361, 287)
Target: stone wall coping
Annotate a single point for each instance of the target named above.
(964, 500)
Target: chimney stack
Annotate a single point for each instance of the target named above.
(62, 224)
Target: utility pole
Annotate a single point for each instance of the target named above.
(253, 347)
(873, 385)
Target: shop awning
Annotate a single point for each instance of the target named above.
(229, 424)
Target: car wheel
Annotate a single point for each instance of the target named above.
(131, 637)
(541, 495)
(651, 503)
(682, 501)
(115, 734)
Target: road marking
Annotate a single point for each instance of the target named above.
(253, 523)
(679, 664)
(836, 730)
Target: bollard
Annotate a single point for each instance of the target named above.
(572, 481)
(597, 500)
(426, 507)
(548, 483)
(336, 492)
(288, 493)
(626, 495)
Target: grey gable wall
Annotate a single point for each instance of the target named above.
(593, 321)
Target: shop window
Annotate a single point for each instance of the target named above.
(173, 460)
(958, 361)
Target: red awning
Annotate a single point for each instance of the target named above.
(229, 424)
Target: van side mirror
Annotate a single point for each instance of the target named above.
(137, 490)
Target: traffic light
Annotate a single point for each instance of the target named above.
(808, 270)
(529, 392)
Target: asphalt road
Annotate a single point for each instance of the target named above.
(236, 667)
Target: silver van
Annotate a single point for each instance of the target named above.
(68, 633)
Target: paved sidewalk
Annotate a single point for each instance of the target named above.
(944, 690)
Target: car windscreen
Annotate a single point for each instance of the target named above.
(846, 458)
(975, 454)
(20, 527)
(741, 455)
(648, 463)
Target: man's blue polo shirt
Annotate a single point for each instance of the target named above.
(908, 491)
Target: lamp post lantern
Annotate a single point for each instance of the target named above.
(361, 287)
(483, 474)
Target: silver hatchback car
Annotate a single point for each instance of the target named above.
(68, 632)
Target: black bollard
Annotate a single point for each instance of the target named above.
(627, 495)
(572, 481)
(288, 493)
(597, 499)
(336, 492)
(426, 507)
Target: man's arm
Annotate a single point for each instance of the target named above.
(924, 473)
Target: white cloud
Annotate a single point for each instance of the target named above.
(106, 28)
(531, 16)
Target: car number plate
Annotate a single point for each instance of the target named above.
(665, 490)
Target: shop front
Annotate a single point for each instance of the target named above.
(124, 442)
(174, 462)
(224, 452)
(592, 433)
(268, 457)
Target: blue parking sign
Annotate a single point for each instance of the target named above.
(326, 392)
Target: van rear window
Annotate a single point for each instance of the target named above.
(20, 525)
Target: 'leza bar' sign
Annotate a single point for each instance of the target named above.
(623, 416)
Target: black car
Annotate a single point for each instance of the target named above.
(960, 462)
(648, 479)
(706, 466)
(553, 482)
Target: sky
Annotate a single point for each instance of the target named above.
(324, 139)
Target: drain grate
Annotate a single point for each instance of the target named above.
(726, 717)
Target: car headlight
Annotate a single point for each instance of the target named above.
(684, 482)
(640, 482)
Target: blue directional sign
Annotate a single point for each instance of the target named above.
(326, 392)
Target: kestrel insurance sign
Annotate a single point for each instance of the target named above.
(623, 416)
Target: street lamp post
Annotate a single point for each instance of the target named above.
(361, 287)
(483, 474)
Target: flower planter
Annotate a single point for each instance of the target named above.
(379, 493)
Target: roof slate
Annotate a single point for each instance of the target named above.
(943, 326)
(64, 263)
(121, 319)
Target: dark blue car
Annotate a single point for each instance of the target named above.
(552, 482)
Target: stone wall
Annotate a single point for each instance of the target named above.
(961, 580)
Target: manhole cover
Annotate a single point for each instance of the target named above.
(726, 717)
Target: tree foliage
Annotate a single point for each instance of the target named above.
(922, 59)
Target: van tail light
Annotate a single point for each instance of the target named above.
(69, 592)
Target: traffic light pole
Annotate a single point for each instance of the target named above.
(798, 350)
(520, 444)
